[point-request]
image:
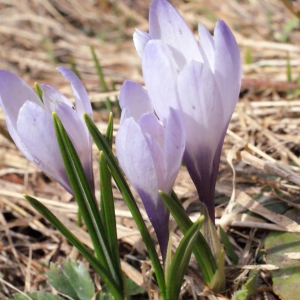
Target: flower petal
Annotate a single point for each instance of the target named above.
(36, 131)
(167, 25)
(174, 147)
(228, 69)
(83, 103)
(15, 136)
(139, 162)
(14, 92)
(135, 158)
(207, 45)
(134, 101)
(159, 78)
(200, 98)
(140, 39)
(53, 98)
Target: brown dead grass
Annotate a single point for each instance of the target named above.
(261, 148)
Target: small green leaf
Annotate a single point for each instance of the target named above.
(181, 260)
(250, 287)
(39, 91)
(134, 289)
(72, 280)
(282, 249)
(36, 296)
(20, 297)
(105, 294)
(209, 231)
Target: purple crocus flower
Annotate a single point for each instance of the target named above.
(149, 153)
(200, 80)
(29, 122)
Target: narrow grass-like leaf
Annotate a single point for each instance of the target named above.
(39, 91)
(228, 246)
(74, 68)
(108, 208)
(94, 262)
(201, 250)
(181, 260)
(208, 230)
(85, 199)
(289, 73)
(116, 172)
(107, 201)
(168, 260)
(102, 82)
(248, 56)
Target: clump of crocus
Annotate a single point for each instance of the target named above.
(200, 80)
(29, 122)
(149, 153)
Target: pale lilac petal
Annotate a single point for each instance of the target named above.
(174, 147)
(159, 78)
(53, 98)
(140, 39)
(16, 138)
(154, 133)
(207, 45)
(200, 98)
(14, 92)
(83, 104)
(135, 158)
(56, 102)
(134, 101)
(150, 126)
(228, 69)
(167, 25)
(137, 161)
(36, 131)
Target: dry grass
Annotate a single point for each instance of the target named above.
(261, 151)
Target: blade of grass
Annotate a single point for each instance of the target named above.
(102, 82)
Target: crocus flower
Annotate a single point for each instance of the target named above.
(29, 122)
(149, 153)
(199, 80)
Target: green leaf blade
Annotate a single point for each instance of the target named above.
(201, 250)
(181, 260)
(85, 199)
